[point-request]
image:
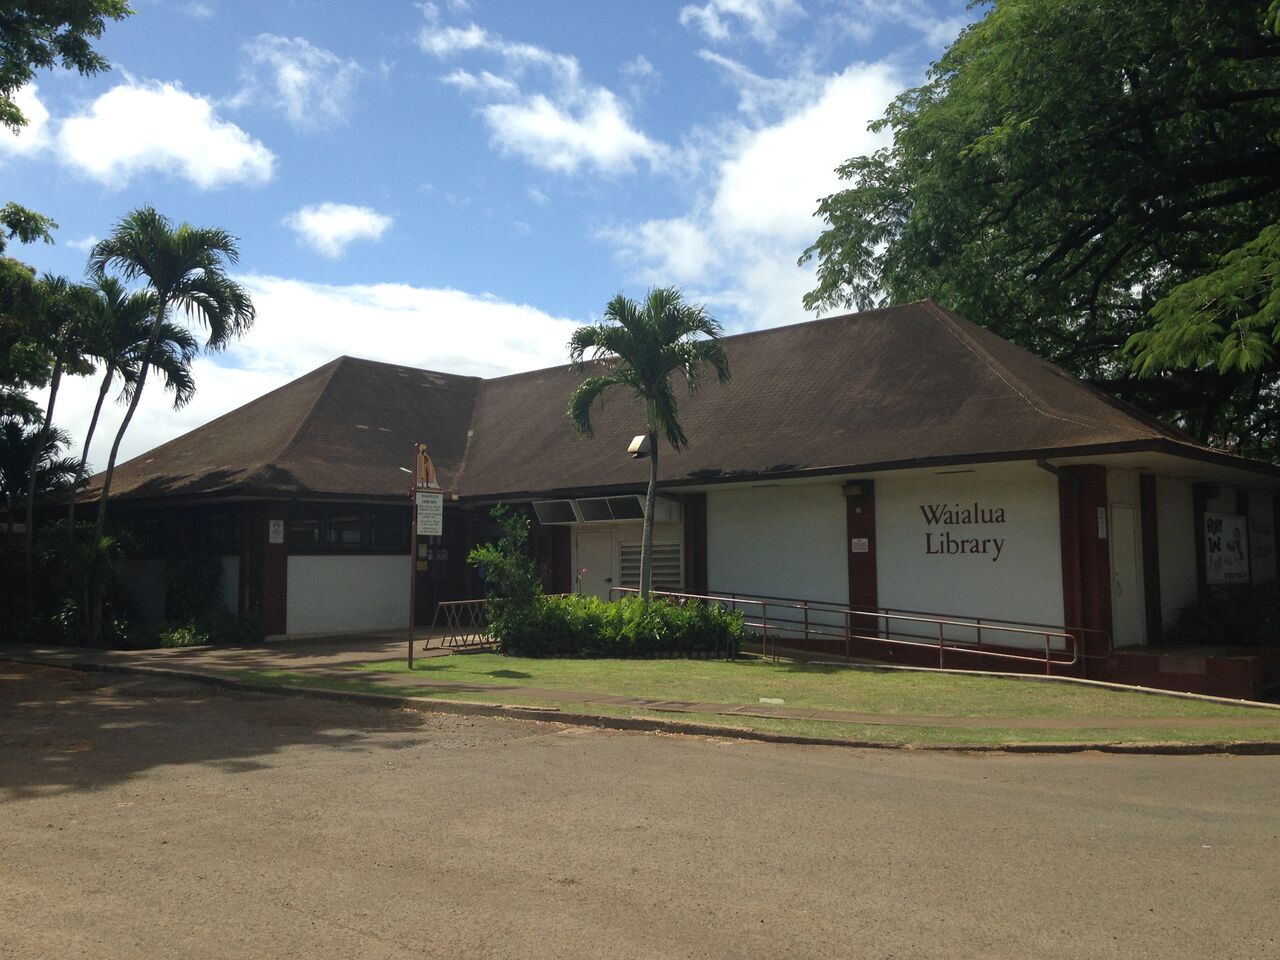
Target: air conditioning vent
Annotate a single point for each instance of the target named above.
(668, 567)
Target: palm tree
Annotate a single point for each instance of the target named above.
(19, 447)
(640, 346)
(118, 328)
(62, 322)
(184, 267)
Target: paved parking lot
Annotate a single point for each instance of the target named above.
(152, 818)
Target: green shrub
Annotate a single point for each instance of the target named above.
(182, 635)
(509, 572)
(1231, 617)
(578, 626)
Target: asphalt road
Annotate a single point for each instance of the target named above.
(147, 818)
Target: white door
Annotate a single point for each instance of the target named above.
(593, 562)
(1127, 617)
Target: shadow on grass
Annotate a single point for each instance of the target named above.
(512, 674)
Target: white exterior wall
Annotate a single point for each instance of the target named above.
(1176, 541)
(783, 541)
(143, 580)
(1024, 584)
(341, 594)
(599, 582)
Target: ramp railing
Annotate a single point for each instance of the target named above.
(778, 621)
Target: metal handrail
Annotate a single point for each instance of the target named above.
(978, 623)
(770, 628)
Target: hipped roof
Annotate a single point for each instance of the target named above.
(905, 385)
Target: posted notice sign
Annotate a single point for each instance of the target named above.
(430, 514)
(1226, 548)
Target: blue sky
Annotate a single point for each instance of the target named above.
(457, 184)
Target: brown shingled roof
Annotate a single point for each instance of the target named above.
(891, 387)
(343, 429)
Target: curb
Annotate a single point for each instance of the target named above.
(653, 725)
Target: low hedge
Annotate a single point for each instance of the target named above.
(579, 626)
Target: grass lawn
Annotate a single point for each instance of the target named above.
(809, 686)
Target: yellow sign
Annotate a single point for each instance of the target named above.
(425, 470)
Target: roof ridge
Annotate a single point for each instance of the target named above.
(953, 325)
(307, 417)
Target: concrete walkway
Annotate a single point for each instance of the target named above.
(331, 659)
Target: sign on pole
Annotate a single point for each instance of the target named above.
(430, 514)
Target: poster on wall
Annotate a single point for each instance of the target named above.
(1226, 548)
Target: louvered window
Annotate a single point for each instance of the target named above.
(668, 569)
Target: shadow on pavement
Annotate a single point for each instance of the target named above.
(63, 731)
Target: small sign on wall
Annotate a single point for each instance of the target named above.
(430, 514)
(860, 545)
(275, 531)
(1226, 548)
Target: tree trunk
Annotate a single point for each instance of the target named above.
(84, 454)
(161, 307)
(650, 501)
(36, 457)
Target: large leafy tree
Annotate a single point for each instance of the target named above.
(185, 269)
(1098, 180)
(640, 347)
(36, 35)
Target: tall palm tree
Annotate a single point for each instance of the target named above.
(185, 268)
(640, 346)
(62, 332)
(118, 327)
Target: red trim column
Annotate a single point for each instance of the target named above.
(1151, 557)
(1199, 503)
(860, 541)
(264, 566)
(1086, 549)
(695, 543)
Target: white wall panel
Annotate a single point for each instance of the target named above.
(341, 594)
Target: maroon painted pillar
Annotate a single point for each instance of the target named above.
(860, 542)
(695, 543)
(1084, 523)
(264, 566)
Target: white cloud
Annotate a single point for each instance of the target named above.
(302, 326)
(136, 128)
(555, 137)
(863, 18)
(738, 245)
(482, 82)
(538, 106)
(328, 228)
(84, 244)
(35, 135)
(720, 20)
(311, 86)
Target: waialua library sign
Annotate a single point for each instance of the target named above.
(940, 539)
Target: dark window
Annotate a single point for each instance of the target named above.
(348, 528)
(305, 527)
(389, 530)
